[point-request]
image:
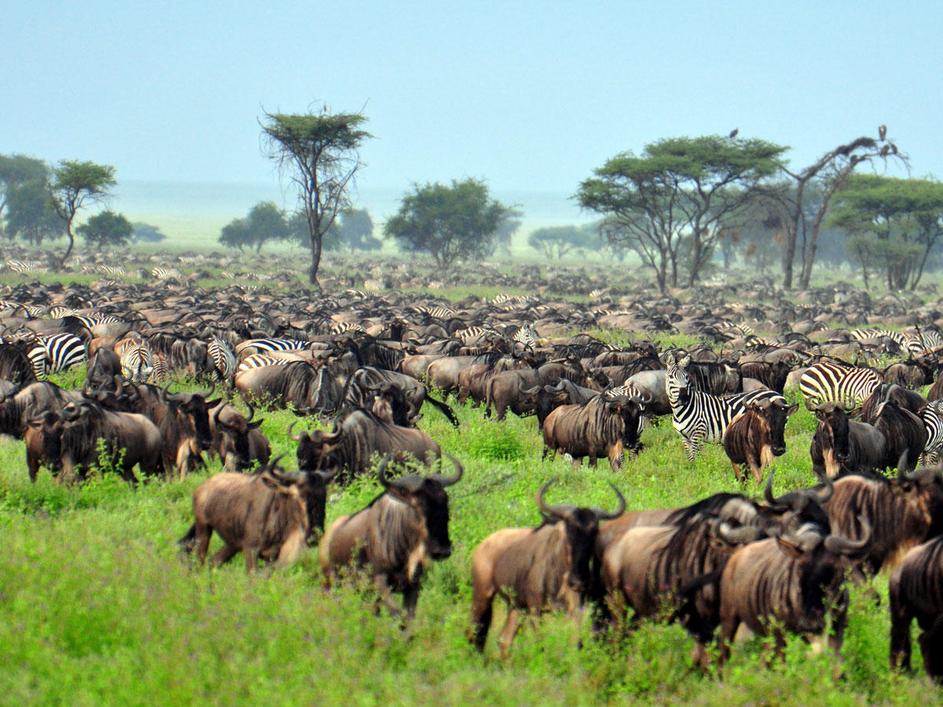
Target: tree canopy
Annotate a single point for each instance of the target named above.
(451, 223)
(106, 229)
(557, 241)
(670, 204)
(320, 153)
(146, 233)
(892, 223)
(76, 184)
(264, 223)
(30, 214)
(353, 230)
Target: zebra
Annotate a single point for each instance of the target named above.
(23, 267)
(162, 273)
(223, 358)
(137, 363)
(262, 345)
(932, 416)
(701, 417)
(472, 333)
(55, 353)
(827, 382)
(347, 328)
(262, 360)
(110, 270)
(527, 335)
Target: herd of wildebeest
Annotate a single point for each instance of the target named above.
(368, 365)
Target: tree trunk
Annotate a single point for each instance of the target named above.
(315, 261)
(68, 251)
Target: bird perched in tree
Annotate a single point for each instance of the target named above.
(882, 131)
(734, 133)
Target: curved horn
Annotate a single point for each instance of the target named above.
(737, 536)
(251, 412)
(559, 512)
(612, 515)
(217, 411)
(385, 481)
(325, 476)
(298, 437)
(844, 546)
(824, 494)
(209, 393)
(459, 471)
(902, 466)
(768, 491)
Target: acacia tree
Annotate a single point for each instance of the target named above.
(557, 241)
(818, 183)
(897, 223)
(353, 230)
(106, 229)
(76, 184)
(17, 171)
(264, 223)
(451, 223)
(320, 151)
(670, 204)
(30, 214)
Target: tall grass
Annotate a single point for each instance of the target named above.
(96, 605)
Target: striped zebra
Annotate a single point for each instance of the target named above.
(251, 346)
(110, 270)
(914, 344)
(137, 363)
(471, 334)
(23, 267)
(55, 353)
(261, 361)
(436, 312)
(828, 382)
(701, 417)
(223, 358)
(347, 328)
(932, 416)
(527, 336)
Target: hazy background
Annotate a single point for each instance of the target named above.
(530, 96)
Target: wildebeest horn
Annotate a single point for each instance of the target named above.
(273, 464)
(217, 411)
(385, 481)
(559, 512)
(844, 546)
(612, 515)
(902, 465)
(209, 393)
(251, 412)
(325, 476)
(768, 491)
(737, 536)
(449, 480)
(826, 493)
(295, 437)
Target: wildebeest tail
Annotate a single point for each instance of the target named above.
(444, 409)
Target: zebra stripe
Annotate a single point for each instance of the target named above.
(701, 417)
(223, 358)
(847, 386)
(137, 363)
(55, 353)
(272, 345)
(527, 335)
(472, 333)
(932, 416)
(262, 360)
(346, 327)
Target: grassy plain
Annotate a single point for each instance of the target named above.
(97, 607)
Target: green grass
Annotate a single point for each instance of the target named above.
(97, 607)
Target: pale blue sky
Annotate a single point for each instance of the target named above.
(530, 96)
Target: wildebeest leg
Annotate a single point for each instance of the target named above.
(252, 558)
(410, 599)
(728, 632)
(931, 645)
(901, 618)
(738, 474)
(616, 456)
(183, 462)
(700, 657)
(511, 627)
(481, 613)
(386, 594)
(223, 555)
(202, 535)
(32, 465)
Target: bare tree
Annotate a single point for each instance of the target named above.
(802, 219)
(320, 153)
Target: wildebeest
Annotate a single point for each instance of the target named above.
(237, 440)
(43, 443)
(757, 436)
(602, 427)
(15, 365)
(104, 371)
(916, 592)
(771, 374)
(395, 536)
(356, 437)
(536, 569)
(366, 381)
(307, 389)
(129, 439)
(789, 583)
(842, 444)
(900, 512)
(270, 515)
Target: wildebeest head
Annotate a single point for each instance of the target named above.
(233, 434)
(773, 414)
(834, 419)
(923, 489)
(390, 404)
(795, 509)
(582, 526)
(49, 427)
(195, 406)
(314, 447)
(427, 496)
(309, 486)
